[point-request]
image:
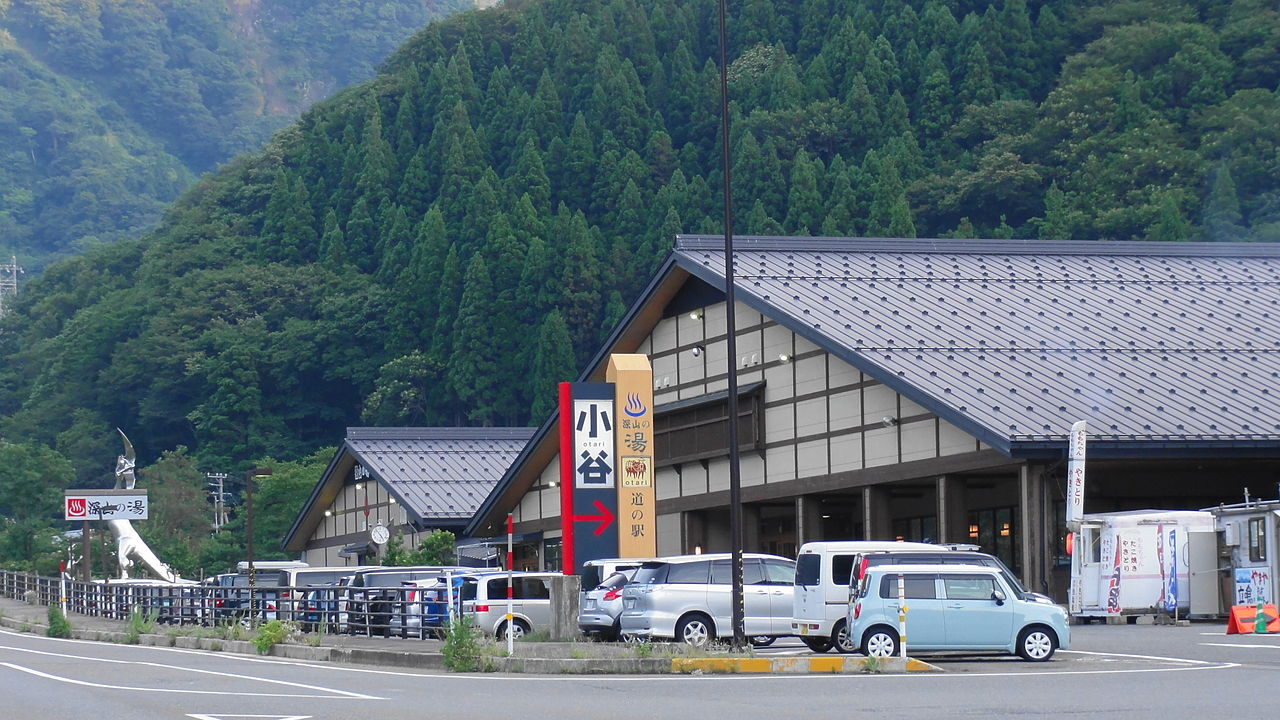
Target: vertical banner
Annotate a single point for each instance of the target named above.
(588, 460)
(1075, 474)
(632, 377)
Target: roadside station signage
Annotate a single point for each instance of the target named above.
(105, 504)
(588, 473)
(632, 376)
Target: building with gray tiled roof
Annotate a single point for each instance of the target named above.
(924, 389)
(409, 480)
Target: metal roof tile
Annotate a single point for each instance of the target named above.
(1142, 340)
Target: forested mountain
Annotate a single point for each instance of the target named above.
(110, 108)
(442, 244)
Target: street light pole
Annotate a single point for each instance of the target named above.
(735, 478)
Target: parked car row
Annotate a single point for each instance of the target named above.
(836, 595)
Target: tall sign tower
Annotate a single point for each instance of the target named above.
(8, 282)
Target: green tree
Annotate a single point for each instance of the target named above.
(553, 364)
(472, 369)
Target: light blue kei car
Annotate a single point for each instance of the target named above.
(952, 607)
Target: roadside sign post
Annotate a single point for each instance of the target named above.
(113, 504)
(588, 473)
(511, 635)
(1075, 510)
(902, 617)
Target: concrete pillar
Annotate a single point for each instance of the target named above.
(877, 520)
(564, 607)
(953, 516)
(750, 528)
(1033, 526)
(808, 520)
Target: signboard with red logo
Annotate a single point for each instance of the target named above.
(105, 504)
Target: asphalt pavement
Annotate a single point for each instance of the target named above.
(1141, 671)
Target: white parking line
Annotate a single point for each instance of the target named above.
(333, 692)
(1140, 657)
(1240, 645)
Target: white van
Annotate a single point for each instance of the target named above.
(823, 572)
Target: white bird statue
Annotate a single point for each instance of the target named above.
(128, 541)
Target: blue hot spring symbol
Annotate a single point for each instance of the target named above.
(634, 407)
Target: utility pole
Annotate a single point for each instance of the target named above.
(215, 481)
(9, 282)
(248, 518)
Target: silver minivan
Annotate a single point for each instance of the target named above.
(688, 597)
(484, 597)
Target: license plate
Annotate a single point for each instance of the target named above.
(804, 629)
(589, 605)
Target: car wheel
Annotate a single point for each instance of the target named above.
(518, 631)
(880, 642)
(762, 640)
(818, 644)
(695, 630)
(840, 639)
(1037, 644)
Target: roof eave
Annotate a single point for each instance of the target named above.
(308, 517)
(668, 276)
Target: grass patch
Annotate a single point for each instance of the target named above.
(140, 623)
(58, 625)
(464, 647)
(872, 665)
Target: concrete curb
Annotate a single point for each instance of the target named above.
(306, 653)
(539, 665)
(838, 665)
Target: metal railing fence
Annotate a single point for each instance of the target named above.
(374, 611)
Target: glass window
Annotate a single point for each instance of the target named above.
(532, 589)
(688, 573)
(722, 572)
(468, 589)
(842, 568)
(777, 572)
(1257, 539)
(968, 587)
(807, 569)
(919, 587)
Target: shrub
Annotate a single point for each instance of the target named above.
(272, 633)
(58, 625)
(462, 649)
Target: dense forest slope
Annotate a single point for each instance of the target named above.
(444, 242)
(109, 108)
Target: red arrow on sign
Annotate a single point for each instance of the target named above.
(605, 518)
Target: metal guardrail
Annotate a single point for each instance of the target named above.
(372, 611)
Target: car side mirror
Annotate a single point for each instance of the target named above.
(998, 597)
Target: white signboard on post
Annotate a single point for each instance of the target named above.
(1075, 474)
(105, 504)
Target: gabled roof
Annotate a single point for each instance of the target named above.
(439, 475)
(1158, 346)
(1012, 341)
